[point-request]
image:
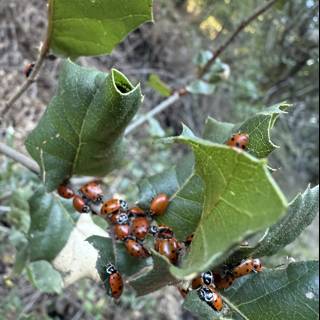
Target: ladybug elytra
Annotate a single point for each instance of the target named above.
(65, 191)
(80, 205)
(211, 297)
(140, 227)
(239, 140)
(115, 281)
(159, 204)
(135, 249)
(114, 206)
(92, 191)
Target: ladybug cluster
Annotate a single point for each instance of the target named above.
(208, 283)
(133, 225)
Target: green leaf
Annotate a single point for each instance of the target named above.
(203, 57)
(258, 127)
(52, 220)
(240, 199)
(158, 85)
(291, 293)
(82, 128)
(156, 278)
(186, 197)
(302, 212)
(201, 87)
(93, 27)
(44, 277)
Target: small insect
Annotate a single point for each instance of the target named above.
(189, 240)
(169, 248)
(135, 249)
(115, 281)
(114, 206)
(140, 227)
(223, 282)
(122, 231)
(92, 191)
(28, 69)
(239, 140)
(159, 204)
(136, 212)
(211, 296)
(65, 191)
(206, 278)
(80, 205)
(244, 268)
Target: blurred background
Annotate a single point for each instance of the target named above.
(275, 59)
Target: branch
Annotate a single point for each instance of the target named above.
(162, 106)
(258, 12)
(20, 158)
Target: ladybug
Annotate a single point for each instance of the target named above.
(92, 191)
(211, 296)
(65, 191)
(159, 204)
(135, 249)
(140, 227)
(153, 230)
(169, 248)
(114, 206)
(28, 69)
(189, 240)
(165, 232)
(122, 231)
(205, 279)
(239, 140)
(117, 218)
(80, 205)
(136, 212)
(244, 268)
(115, 281)
(257, 265)
(223, 282)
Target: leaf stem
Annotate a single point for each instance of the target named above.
(19, 157)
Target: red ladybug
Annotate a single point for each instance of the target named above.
(239, 140)
(159, 204)
(140, 227)
(114, 206)
(65, 191)
(92, 191)
(80, 205)
(169, 248)
(243, 269)
(28, 69)
(211, 296)
(122, 231)
(136, 212)
(223, 282)
(205, 279)
(115, 281)
(136, 249)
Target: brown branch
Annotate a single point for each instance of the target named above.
(19, 157)
(258, 12)
(37, 67)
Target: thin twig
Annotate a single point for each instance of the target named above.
(258, 12)
(162, 106)
(19, 157)
(29, 81)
